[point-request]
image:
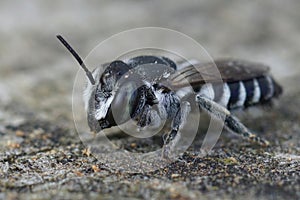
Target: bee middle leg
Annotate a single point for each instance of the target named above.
(230, 121)
(174, 135)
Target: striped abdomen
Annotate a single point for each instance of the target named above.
(242, 93)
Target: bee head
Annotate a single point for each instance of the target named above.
(106, 91)
(100, 90)
(112, 74)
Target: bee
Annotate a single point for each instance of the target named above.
(242, 84)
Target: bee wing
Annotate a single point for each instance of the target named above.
(226, 70)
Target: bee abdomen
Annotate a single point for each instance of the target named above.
(242, 93)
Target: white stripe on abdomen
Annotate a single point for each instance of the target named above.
(242, 95)
(224, 100)
(257, 92)
(207, 90)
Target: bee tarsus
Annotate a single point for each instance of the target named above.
(230, 121)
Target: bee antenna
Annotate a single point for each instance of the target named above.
(77, 57)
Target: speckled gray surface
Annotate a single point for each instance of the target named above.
(41, 155)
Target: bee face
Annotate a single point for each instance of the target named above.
(98, 98)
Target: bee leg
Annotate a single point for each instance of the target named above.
(230, 121)
(148, 118)
(144, 118)
(172, 138)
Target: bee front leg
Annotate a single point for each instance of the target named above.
(172, 138)
(148, 118)
(231, 122)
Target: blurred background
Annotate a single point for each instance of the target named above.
(37, 74)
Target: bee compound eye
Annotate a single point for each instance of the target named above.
(121, 105)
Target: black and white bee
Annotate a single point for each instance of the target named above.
(242, 84)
